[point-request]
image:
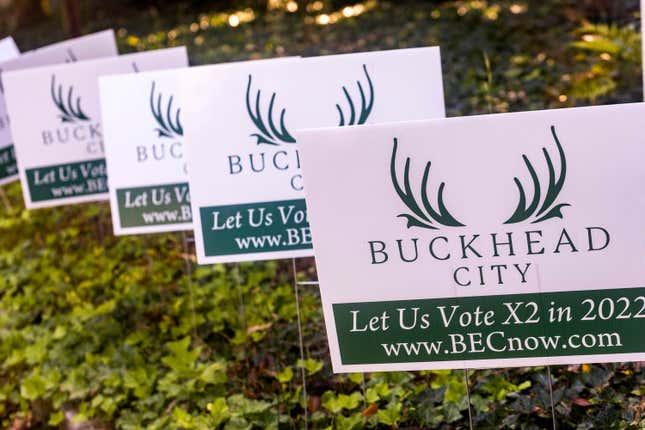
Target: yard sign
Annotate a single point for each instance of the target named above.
(56, 125)
(244, 163)
(95, 45)
(8, 49)
(150, 143)
(487, 241)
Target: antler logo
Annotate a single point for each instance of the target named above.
(69, 107)
(548, 209)
(366, 106)
(428, 216)
(168, 121)
(266, 135)
(71, 58)
(424, 215)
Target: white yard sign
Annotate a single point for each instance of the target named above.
(143, 134)
(244, 166)
(56, 125)
(486, 241)
(92, 46)
(8, 49)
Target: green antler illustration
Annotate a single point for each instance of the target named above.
(70, 108)
(430, 218)
(71, 58)
(548, 210)
(167, 127)
(270, 135)
(366, 106)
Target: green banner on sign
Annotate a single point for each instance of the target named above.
(256, 227)
(8, 166)
(67, 180)
(487, 327)
(154, 205)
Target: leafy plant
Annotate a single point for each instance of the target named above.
(267, 135)
(431, 218)
(167, 127)
(611, 55)
(70, 108)
(87, 319)
(547, 210)
(366, 106)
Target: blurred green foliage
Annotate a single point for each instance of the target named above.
(128, 333)
(610, 53)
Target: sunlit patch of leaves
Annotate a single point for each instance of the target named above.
(612, 56)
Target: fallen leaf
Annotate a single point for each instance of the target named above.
(370, 410)
(314, 403)
(260, 327)
(581, 402)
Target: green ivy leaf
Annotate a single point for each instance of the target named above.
(310, 365)
(240, 405)
(218, 410)
(238, 423)
(377, 392)
(182, 419)
(214, 373)
(33, 387)
(343, 401)
(182, 360)
(352, 422)
(356, 378)
(56, 418)
(285, 376)
(391, 415)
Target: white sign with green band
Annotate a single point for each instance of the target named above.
(487, 241)
(243, 159)
(95, 45)
(156, 198)
(56, 125)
